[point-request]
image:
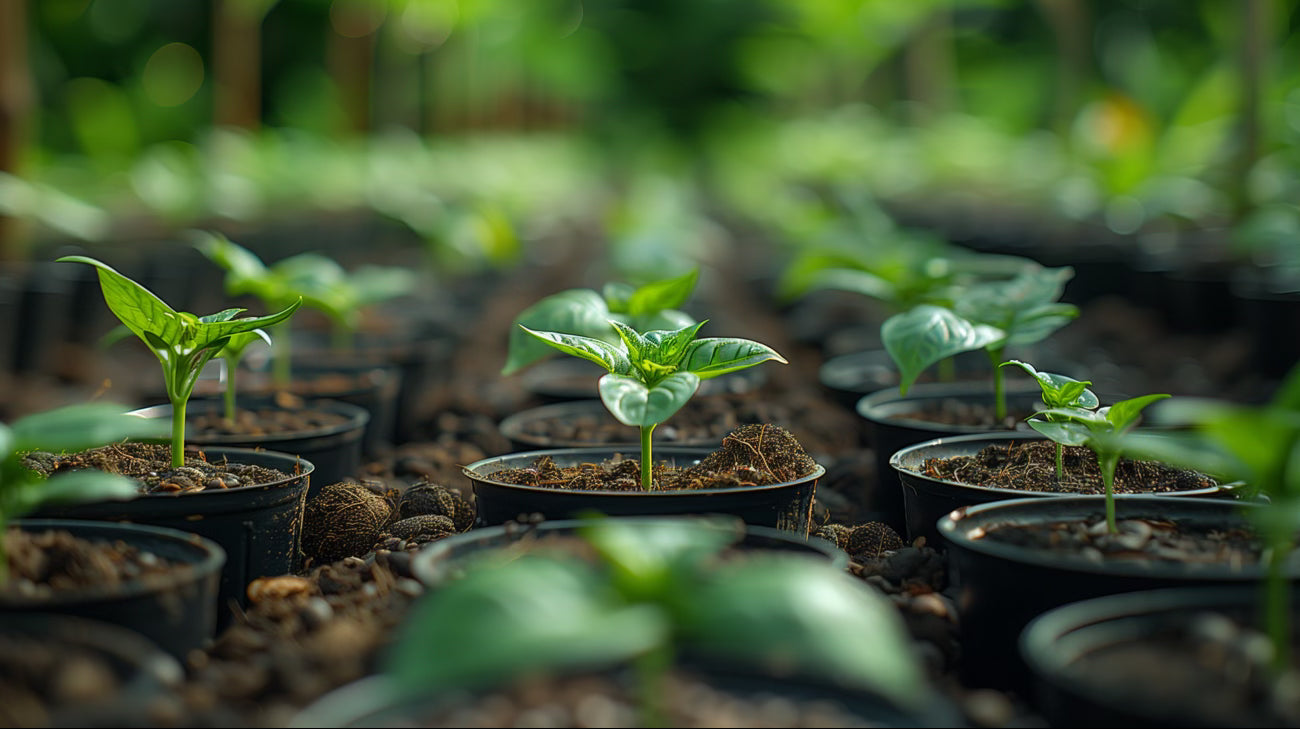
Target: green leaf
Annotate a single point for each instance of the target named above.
(133, 304)
(631, 402)
(80, 486)
(1024, 307)
(78, 427)
(650, 557)
(528, 615)
(665, 320)
(1059, 391)
(6, 441)
(580, 312)
(242, 265)
(612, 357)
(716, 356)
(656, 296)
(855, 281)
(639, 349)
(1065, 433)
(225, 315)
(617, 295)
(373, 284)
(812, 619)
(237, 343)
(1125, 413)
(670, 345)
(926, 334)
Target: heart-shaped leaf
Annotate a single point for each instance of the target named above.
(612, 357)
(631, 402)
(716, 356)
(921, 336)
(580, 312)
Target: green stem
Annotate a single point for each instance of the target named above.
(647, 462)
(178, 432)
(1060, 461)
(1277, 600)
(281, 359)
(230, 390)
(1108, 462)
(651, 668)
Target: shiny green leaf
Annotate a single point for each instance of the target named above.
(716, 356)
(632, 402)
(77, 427)
(580, 312)
(926, 334)
(612, 357)
(656, 296)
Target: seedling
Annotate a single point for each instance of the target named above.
(587, 313)
(1260, 446)
(1059, 391)
(652, 375)
(182, 342)
(1104, 430)
(231, 354)
(72, 428)
(319, 281)
(654, 591)
(991, 316)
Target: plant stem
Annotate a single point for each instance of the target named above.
(650, 671)
(647, 462)
(1277, 600)
(230, 391)
(1108, 462)
(281, 359)
(1060, 461)
(178, 432)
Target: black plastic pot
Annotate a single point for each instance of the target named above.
(375, 388)
(1002, 586)
(1057, 645)
(785, 505)
(561, 380)
(141, 670)
(258, 526)
(443, 558)
(526, 428)
(892, 425)
(849, 377)
(927, 499)
(179, 614)
(334, 451)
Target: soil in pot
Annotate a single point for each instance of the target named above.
(1030, 465)
(46, 563)
(752, 455)
(150, 464)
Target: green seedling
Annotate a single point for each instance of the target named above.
(1059, 391)
(320, 282)
(182, 342)
(72, 428)
(1105, 431)
(991, 315)
(654, 592)
(587, 313)
(652, 375)
(231, 354)
(1258, 445)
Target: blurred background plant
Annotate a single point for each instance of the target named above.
(484, 126)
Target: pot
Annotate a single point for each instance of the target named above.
(1001, 586)
(786, 505)
(178, 614)
(1063, 646)
(259, 526)
(850, 377)
(434, 564)
(334, 450)
(927, 499)
(891, 427)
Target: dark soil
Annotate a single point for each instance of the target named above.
(1138, 540)
(41, 680)
(752, 455)
(267, 421)
(44, 564)
(150, 464)
(1030, 465)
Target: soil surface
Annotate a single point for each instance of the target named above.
(1030, 465)
(150, 464)
(266, 421)
(42, 681)
(45, 564)
(751, 455)
(1138, 540)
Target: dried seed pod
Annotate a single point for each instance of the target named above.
(343, 520)
(872, 539)
(429, 498)
(423, 528)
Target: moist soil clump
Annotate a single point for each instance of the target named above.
(150, 464)
(1030, 465)
(48, 563)
(751, 455)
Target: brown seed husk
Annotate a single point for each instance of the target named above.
(343, 520)
(423, 528)
(429, 498)
(872, 539)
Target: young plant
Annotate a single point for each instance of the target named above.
(72, 428)
(1059, 391)
(654, 591)
(652, 375)
(320, 282)
(182, 342)
(231, 354)
(991, 315)
(1258, 445)
(1105, 431)
(587, 313)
